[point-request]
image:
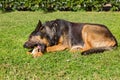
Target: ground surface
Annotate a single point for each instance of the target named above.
(15, 64)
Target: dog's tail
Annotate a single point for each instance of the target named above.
(97, 50)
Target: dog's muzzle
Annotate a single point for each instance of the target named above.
(30, 45)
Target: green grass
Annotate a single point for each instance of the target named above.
(15, 64)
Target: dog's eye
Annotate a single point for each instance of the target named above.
(42, 29)
(30, 36)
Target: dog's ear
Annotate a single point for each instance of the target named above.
(39, 25)
(54, 28)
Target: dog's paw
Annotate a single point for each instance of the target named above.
(74, 50)
(28, 53)
(38, 54)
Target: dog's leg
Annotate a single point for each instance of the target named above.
(79, 48)
(59, 47)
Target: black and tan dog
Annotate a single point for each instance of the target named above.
(57, 35)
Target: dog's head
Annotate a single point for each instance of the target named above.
(44, 35)
(37, 38)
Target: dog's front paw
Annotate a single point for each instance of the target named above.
(38, 54)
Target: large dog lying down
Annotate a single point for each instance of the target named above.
(57, 35)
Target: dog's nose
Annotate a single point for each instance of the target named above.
(25, 45)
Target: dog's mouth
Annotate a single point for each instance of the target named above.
(38, 48)
(36, 51)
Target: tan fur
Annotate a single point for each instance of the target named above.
(95, 37)
(60, 46)
(38, 54)
(38, 38)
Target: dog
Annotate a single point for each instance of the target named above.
(59, 35)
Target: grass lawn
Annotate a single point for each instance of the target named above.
(15, 64)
